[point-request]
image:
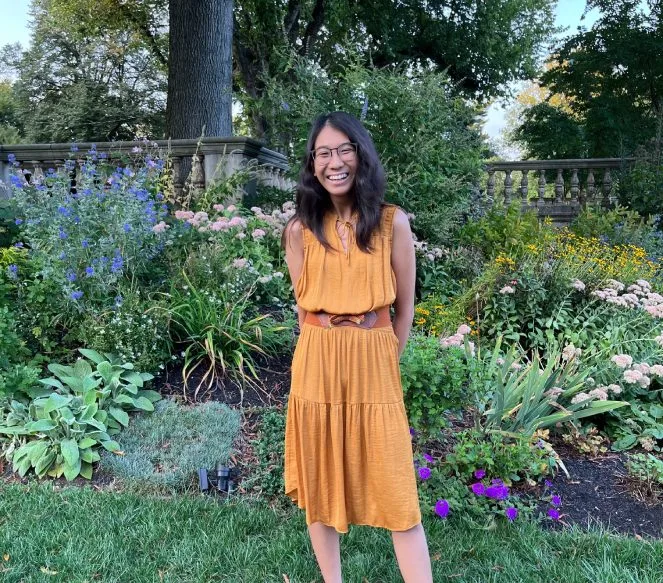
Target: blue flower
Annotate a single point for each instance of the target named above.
(76, 295)
(63, 210)
(117, 263)
(285, 106)
(69, 165)
(13, 271)
(19, 245)
(71, 276)
(11, 158)
(126, 227)
(15, 181)
(74, 147)
(89, 271)
(118, 300)
(63, 234)
(62, 255)
(85, 244)
(18, 221)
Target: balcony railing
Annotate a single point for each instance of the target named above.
(208, 159)
(577, 183)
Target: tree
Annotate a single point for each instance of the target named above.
(74, 87)
(481, 45)
(612, 76)
(200, 69)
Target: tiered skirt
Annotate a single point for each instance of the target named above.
(348, 451)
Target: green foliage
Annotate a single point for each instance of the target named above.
(267, 475)
(510, 458)
(165, 450)
(508, 231)
(422, 130)
(612, 78)
(136, 330)
(646, 468)
(549, 132)
(434, 382)
(641, 185)
(219, 330)
(58, 429)
(521, 399)
(12, 348)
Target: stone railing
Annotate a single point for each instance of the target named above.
(208, 159)
(577, 183)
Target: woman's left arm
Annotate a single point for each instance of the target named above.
(405, 269)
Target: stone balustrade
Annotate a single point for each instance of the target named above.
(208, 159)
(577, 183)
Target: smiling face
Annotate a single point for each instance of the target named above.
(335, 174)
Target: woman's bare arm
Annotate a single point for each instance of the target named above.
(404, 266)
(294, 257)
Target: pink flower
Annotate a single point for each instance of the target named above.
(644, 382)
(258, 234)
(240, 263)
(218, 207)
(183, 215)
(632, 376)
(622, 360)
(656, 370)
(580, 398)
(160, 227)
(232, 208)
(507, 289)
(236, 222)
(577, 284)
(463, 329)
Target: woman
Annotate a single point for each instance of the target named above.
(348, 454)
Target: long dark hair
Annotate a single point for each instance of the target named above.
(312, 200)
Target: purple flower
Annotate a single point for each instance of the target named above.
(424, 473)
(412, 431)
(13, 271)
(429, 458)
(511, 513)
(19, 245)
(478, 488)
(76, 295)
(497, 492)
(556, 500)
(18, 221)
(442, 508)
(479, 474)
(553, 513)
(548, 484)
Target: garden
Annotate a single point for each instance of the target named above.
(147, 319)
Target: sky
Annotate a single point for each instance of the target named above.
(13, 28)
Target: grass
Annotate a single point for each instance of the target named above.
(75, 535)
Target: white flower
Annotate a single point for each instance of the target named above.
(616, 389)
(644, 381)
(656, 370)
(632, 376)
(570, 352)
(507, 289)
(599, 393)
(577, 284)
(580, 397)
(516, 366)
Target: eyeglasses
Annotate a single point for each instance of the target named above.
(346, 152)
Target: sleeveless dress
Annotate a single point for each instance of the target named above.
(348, 451)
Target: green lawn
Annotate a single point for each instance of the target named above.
(74, 535)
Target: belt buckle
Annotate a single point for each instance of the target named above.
(336, 320)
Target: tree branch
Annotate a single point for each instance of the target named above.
(313, 27)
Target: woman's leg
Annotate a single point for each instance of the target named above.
(412, 554)
(327, 548)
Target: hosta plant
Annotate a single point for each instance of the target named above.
(58, 430)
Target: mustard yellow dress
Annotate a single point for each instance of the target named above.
(348, 451)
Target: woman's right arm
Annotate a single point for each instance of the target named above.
(294, 257)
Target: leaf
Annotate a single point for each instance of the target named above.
(72, 471)
(70, 453)
(121, 416)
(51, 382)
(656, 411)
(86, 470)
(86, 442)
(40, 426)
(44, 464)
(82, 368)
(112, 446)
(93, 355)
(153, 396)
(56, 401)
(143, 404)
(624, 443)
(105, 370)
(133, 377)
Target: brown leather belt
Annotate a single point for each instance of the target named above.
(374, 319)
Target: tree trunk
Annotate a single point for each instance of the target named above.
(200, 69)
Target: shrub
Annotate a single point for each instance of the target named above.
(434, 382)
(165, 450)
(267, 474)
(58, 428)
(641, 185)
(86, 240)
(422, 130)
